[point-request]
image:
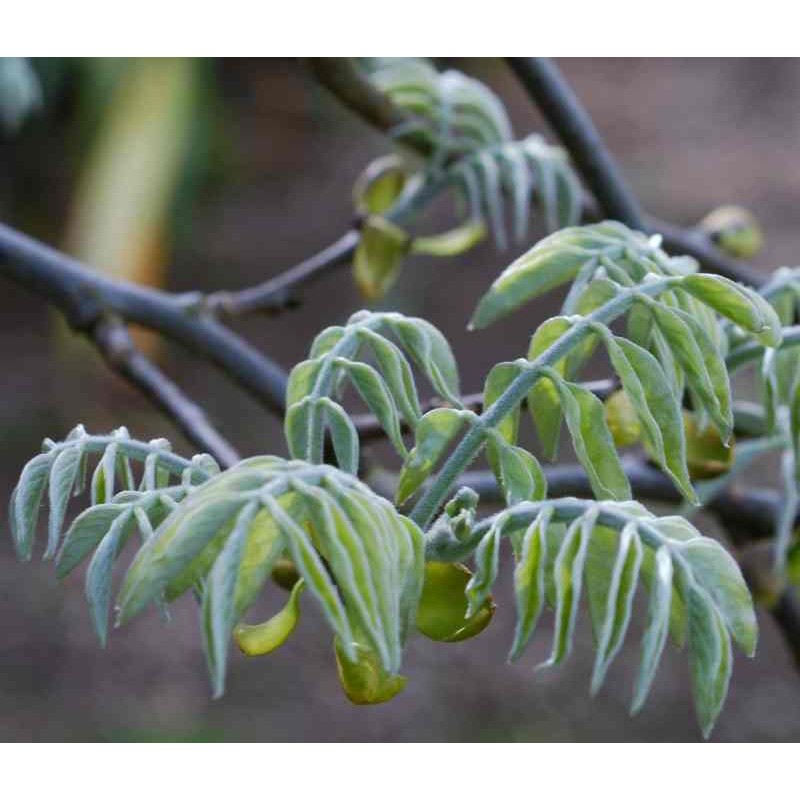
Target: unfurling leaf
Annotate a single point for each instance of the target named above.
(442, 614)
(622, 420)
(706, 454)
(451, 243)
(379, 256)
(364, 680)
(734, 230)
(434, 433)
(739, 304)
(379, 186)
(264, 638)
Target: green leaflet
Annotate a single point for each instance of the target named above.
(529, 582)
(378, 398)
(621, 589)
(98, 576)
(396, 371)
(656, 628)
(381, 547)
(84, 534)
(349, 561)
(434, 433)
(450, 243)
(312, 569)
(518, 472)
(182, 539)
(344, 435)
(710, 658)
(363, 678)
(379, 256)
(26, 501)
(737, 303)
(568, 579)
(701, 362)
(592, 441)
(63, 475)
(218, 611)
(301, 380)
(656, 406)
(531, 275)
(719, 574)
(443, 613)
(487, 558)
(268, 636)
(622, 419)
(325, 341)
(430, 350)
(379, 186)
(544, 404)
(500, 377)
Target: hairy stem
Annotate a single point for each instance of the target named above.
(471, 444)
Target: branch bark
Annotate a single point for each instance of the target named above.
(114, 342)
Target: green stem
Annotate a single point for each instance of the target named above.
(471, 444)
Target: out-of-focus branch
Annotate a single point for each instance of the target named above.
(563, 110)
(574, 126)
(278, 294)
(114, 342)
(370, 429)
(90, 300)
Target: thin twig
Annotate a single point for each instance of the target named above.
(278, 293)
(114, 342)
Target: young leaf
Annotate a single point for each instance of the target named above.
(312, 569)
(218, 611)
(344, 435)
(26, 501)
(568, 579)
(656, 627)
(430, 350)
(656, 406)
(487, 558)
(443, 614)
(737, 303)
(85, 533)
(450, 243)
(178, 544)
(98, 576)
(719, 574)
(518, 472)
(377, 396)
(701, 362)
(363, 678)
(434, 433)
(592, 441)
(268, 636)
(62, 479)
(396, 371)
(544, 403)
(379, 256)
(529, 582)
(709, 658)
(622, 587)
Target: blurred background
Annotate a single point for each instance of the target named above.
(213, 174)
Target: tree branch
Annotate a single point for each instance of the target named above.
(85, 296)
(563, 110)
(114, 342)
(369, 428)
(572, 123)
